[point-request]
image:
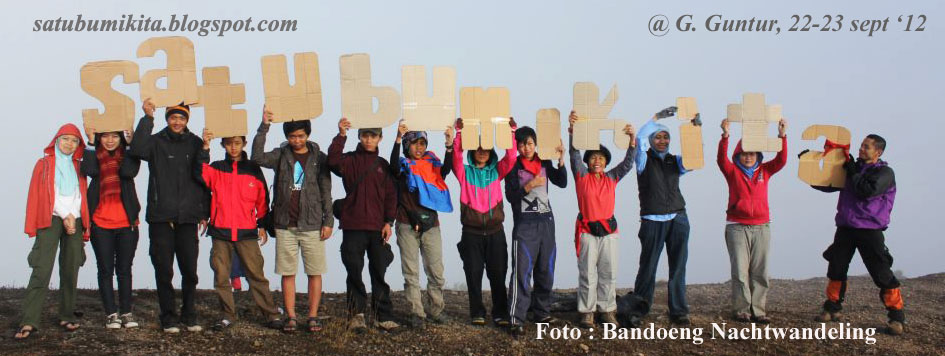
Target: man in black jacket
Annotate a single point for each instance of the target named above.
(177, 204)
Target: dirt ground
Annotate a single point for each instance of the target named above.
(791, 303)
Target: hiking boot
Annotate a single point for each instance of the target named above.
(112, 321)
(826, 317)
(356, 323)
(517, 330)
(415, 321)
(388, 325)
(743, 317)
(128, 321)
(894, 328)
(764, 320)
(478, 321)
(680, 320)
(439, 319)
(609, 317)
(587, 320)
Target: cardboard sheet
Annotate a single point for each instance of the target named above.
(181, 71)
(217, 97)
(299, 101)
(96, 79)
(816, 168)
(485, 114)
(428, 113)
(686, 108)
(358, 94)
(692, 148)
(548, 130)
(755, 116)
(593, 117)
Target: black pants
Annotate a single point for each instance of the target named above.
(166, 242)
(872, 247)
(114, 253)
(354, 244)
(485, 252)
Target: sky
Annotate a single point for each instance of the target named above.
(889, 83)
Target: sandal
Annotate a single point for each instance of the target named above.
(314, 325)
(290, 325)
(69, 326)
(25, 332)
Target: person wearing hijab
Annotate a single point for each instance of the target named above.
(57, 216)
(747, 232)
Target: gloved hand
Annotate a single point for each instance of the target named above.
(667, 112)
(696, 121)
(850, 165)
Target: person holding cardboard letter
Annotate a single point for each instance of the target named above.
(482, 245)
(533, 232)
(177, 204)
(113, 203)
(595, 230)
(367, 214)
(663, 222)
(57, 215)
(863, 209)
(301, 211)
(238, 211)
(747, 232)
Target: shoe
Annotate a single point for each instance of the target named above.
(276, 324)
(550, 320)
(517, 330)
(439, 319)
(313, 324)
(894, 328)
(222, 325)
(478, 321)
(128, 321)
(194, 328)
(826, 317)
(680, 320)
(501, 322)
(415, 321)
(112, 321)
(172, 330)
(743, 317)
(761, 319)
(388, 325)
(634, 321)
(357, 324)
(587, 320)
(609, 317)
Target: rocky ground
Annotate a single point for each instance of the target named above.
(791, 303)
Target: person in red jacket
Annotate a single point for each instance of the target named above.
(747, 233)
(57, 215)
(238, 212)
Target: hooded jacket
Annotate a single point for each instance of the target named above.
(480, 197)
(748, 197)
(373, 203)
(174, 194)
(240, 197)
(866, 200)
(127, 171)
(41, 196)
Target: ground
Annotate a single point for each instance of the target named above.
(791, 303)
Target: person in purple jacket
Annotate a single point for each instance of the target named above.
(863, 209)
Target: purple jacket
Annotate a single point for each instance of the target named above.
(867, 198)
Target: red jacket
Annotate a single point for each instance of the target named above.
(239, 197)
(41, 196)
(748, 198)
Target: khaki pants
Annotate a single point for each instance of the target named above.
(597, 274)
(42, 258)
(412, 245)
(252, 260)
(748, 252)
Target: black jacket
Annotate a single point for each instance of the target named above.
(174, 194)
(659, 185)
(127, 170)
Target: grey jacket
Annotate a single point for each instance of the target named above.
(315, 208)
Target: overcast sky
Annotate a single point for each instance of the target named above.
(889, 84)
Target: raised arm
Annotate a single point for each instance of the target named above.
(258, 154)
(577, 164)
(511, 154)
(458, 156)
(780, 160)
(141, 142)
(618, 172)
(335, 157)
(448, 156)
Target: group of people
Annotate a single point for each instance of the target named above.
(78, 194)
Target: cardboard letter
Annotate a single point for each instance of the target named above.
(302, 101)
(422, 112)
(755, 117)
(690, 135)
(357, 95)
(181, 71)
(217, 96)
(96, 78)
(485, 114)
(831, 174)
(592, 117)
(548, 129)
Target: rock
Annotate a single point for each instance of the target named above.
(584, 348)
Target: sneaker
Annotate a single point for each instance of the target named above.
(826, 317)
(587, 320)
(501, 322)
(439, 319)
(415, 321)
(478, 321)
(388, 325)
(550, 320)
(680, 320)
(128, 321)
(172, 330)
(112, 321)
(894, 328)
(743, 317)
(194, 328)
(609, 317)
(761, 319)
(356, 323)
(517, 330)
(222, 325)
